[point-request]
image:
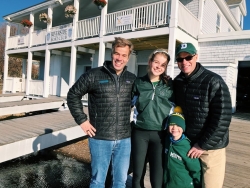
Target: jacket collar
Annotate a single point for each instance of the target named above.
(146, 78)
(108, 66)
(199, 69)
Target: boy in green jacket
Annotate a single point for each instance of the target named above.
(180, 171)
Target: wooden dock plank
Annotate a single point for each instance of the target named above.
(24, 106)
(11, 97)
(42, 131)
(238, 153)
(26, 127)
(12, 94)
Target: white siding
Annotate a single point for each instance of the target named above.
(224, 51)
(231, 80)
(220, 70)
(209, 18)
(192, 6)
(225, 24)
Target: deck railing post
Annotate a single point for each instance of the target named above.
(102, 33)
(46, 83)
(172, 34)
(6, 57)
(72, 73)
(29, 68)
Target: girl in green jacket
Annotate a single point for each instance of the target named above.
(180, 171)
(153, 94)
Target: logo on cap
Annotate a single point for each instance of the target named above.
(184, 45)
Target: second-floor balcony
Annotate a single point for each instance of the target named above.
(143, 17)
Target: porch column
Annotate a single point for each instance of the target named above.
(29, 69)
(46, 78)
(5, 73)
(24, 74)
(6, 57)
(30, 56)
(72, 73)
(102, 33)
(172, 35)
(234, 84)
(75, 19)
(31, 29)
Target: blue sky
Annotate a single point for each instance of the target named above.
(10, 6)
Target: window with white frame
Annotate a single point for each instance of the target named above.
(218, 23)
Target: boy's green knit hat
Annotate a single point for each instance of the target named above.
(176, 118)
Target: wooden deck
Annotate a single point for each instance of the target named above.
(238, 155)
(25, 106)
(8, 97)
(26, 135)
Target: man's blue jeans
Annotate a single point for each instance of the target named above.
(104, 151)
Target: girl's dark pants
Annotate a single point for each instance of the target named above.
(147, 145)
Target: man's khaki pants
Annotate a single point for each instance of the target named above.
(213, 167)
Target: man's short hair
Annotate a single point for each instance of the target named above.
(121, 42)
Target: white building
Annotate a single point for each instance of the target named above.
(67, 47)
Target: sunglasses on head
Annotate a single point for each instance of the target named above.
(188, 58)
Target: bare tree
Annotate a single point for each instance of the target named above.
(15, 64)
(35, 71)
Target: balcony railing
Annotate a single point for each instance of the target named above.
(187, 21)
(142, 17)
(138, 18)
(38, 37)
(18, 41)
(36, 87)
(88, 27)
(13, 85)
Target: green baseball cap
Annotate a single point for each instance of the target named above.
(185, 47)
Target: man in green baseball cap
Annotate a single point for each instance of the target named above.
(206, 103)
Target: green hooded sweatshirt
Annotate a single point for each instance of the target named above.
(180, 171)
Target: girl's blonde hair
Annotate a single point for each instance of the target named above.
(163, 52)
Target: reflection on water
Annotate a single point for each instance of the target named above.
(44, 170)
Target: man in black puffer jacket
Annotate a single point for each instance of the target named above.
(109, 102)
(206, 103)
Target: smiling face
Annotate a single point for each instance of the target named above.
(157, 66)
(120, 58)
(187, 66)
(175, 131)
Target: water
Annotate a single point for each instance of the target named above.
(44, 170)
